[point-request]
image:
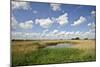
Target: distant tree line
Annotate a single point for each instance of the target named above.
(77, 38)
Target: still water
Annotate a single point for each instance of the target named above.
(61, 45)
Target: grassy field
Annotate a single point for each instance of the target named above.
(34, 52)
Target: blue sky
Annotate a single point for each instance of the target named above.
(52, 21)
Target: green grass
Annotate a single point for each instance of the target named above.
(49, 56)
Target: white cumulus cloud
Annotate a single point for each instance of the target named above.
(79, 21)
(63, 19)
(45, 23)
(44, 32)
(92, 27)
(55, 31)
(89, 35)
(26, 24)
(51, 35)
(25, 35)
(55, 7)
(93, 13)
(14, 23)
(20, 5)
(62, 32)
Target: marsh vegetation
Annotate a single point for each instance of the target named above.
(27, 52)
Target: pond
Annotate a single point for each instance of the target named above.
(61, 45)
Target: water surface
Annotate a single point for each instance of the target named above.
(62, 45)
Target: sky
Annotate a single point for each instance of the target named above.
(37, 20)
